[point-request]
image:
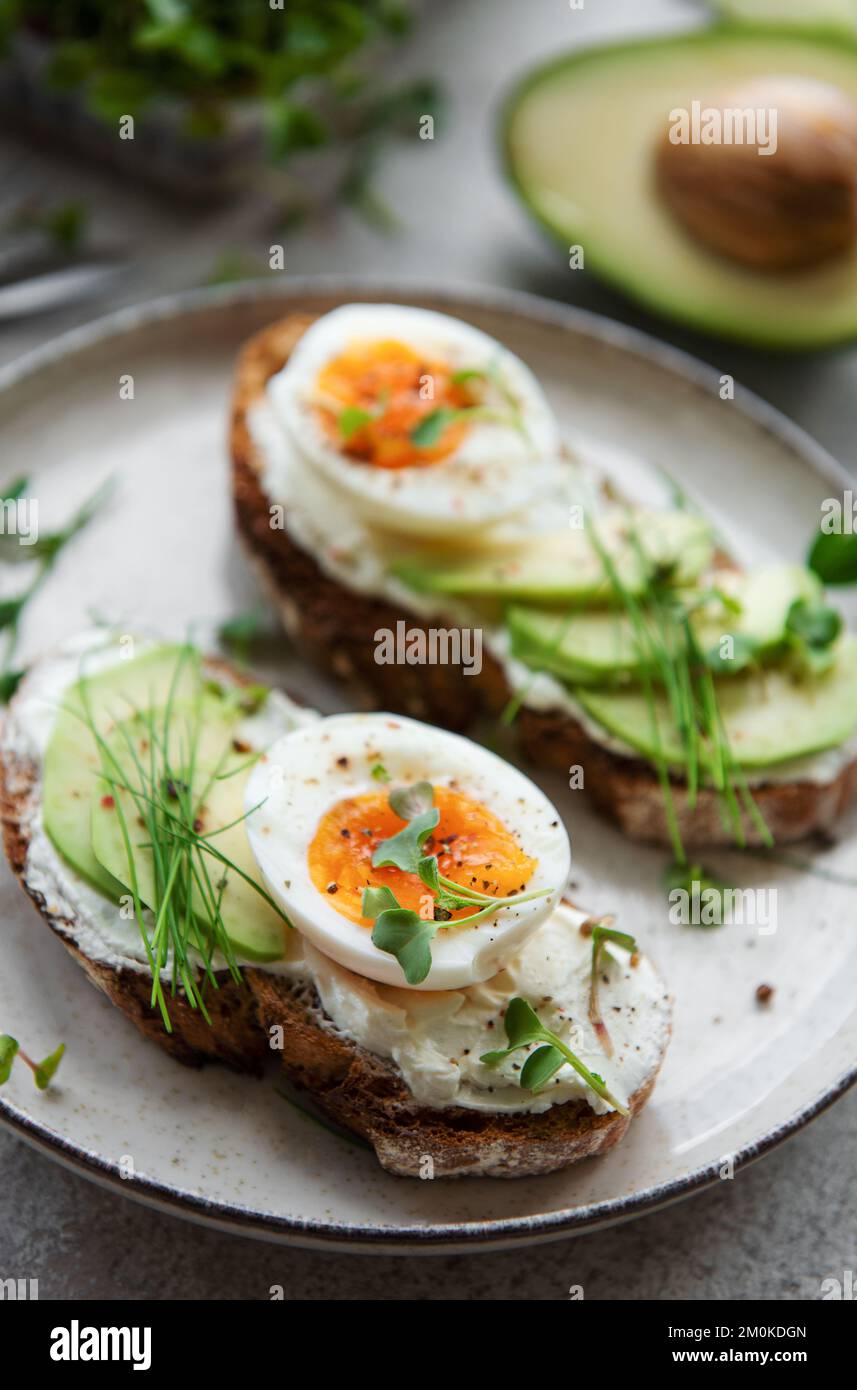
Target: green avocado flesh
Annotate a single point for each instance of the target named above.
(558, 566)
(80, 808)
(817, 14)
(72, 761)
(769, 716)
(579, 136)
(599, 647)
(220, 777)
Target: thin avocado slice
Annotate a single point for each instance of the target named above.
(766, 597)
(566, 565)
(601, 193)
(596, 647)
(587, 647)
(220, 773)
(770, 716)
(72, 761)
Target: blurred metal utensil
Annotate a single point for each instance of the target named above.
(38, 294)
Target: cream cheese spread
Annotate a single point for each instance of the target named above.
(437, 1038)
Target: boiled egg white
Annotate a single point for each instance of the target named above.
(428, 425)
(318, 805)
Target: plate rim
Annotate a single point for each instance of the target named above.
(438, 1238)
(433, 1237)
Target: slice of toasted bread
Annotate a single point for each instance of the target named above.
(368, 1095)
(357, 1089)
(337, 627)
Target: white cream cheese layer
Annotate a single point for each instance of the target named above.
(359, 556)
(437, 1038)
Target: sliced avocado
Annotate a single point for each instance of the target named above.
(769, 716)
(766, 597)
(72, 760)
(599, 647)
(585, 648)
(566, 565)
(601, 194)
(220, 773)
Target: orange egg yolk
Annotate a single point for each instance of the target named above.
(376, 394)
(472, 846)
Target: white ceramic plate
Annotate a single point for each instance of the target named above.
(212, 1146)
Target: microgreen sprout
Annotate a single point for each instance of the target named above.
(400, 931)
(812, 628)
(351, 420)
(694, 881)
(242, 632)
(524, 1028)
(833, 556)
(44, 551)
(431, 427)
(354, 418)
(670, 650)
(43, 1072)
(602, 933)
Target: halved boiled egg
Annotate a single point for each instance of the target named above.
(428, 424)
(342, 812)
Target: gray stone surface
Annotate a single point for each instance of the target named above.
(781, 1226)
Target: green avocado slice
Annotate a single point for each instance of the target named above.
(769, 716)
(590, 647)
(595, 647)
(554, 567)
(600, 193)
(220, 773)
(72, 761)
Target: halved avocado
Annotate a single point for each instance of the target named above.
(579, 138)
(769, 716)
(811, 14)
(566, 566)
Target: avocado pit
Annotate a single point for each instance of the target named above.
(785, 202)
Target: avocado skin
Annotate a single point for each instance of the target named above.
(707, 316)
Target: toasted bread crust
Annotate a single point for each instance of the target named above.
(627, 790)
(337, 626)
(354, 1087)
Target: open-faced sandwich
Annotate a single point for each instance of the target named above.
(381, 901)
(398, 472)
